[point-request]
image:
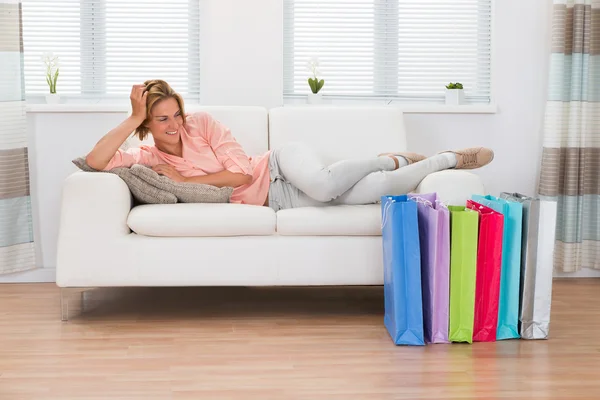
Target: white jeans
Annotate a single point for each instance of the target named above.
(299, 178)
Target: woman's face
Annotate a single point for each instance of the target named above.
(166, 121)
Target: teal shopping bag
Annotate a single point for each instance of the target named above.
(510, 278)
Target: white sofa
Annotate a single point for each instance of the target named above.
(104, 242)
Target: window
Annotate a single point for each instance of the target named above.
(389, 49)
(106, 46)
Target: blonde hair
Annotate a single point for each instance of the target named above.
(158, 90)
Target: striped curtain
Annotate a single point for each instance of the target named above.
(16, 233)
(570, 173)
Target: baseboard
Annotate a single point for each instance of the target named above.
(583, 273)
(44, 275)
(39, 275)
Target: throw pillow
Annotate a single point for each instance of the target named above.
(185, 192)
(141, 191)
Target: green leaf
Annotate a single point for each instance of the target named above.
(55, 79)
(320, 85)
(313, 84)
(456, 85)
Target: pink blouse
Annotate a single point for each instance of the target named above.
(208, 148)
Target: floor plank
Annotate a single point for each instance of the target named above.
(276, 343)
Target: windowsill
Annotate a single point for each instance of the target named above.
(419, 108)
(76, 108)
(407, 108)
(444, 109)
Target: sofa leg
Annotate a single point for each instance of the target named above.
(71, 300)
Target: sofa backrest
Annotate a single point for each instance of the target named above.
(249, 126)
(339, 132)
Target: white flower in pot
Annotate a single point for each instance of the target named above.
(455, 94)
(315, 84)
(52, 68)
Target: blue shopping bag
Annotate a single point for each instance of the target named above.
(402, 270)
(510, 277)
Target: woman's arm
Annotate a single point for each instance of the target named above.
(106, 147)
(222, 179)
(219, 179)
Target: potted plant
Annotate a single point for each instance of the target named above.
(52, 68)
(455, 94)
(315, 96)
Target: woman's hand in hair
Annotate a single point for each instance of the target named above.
(169, 171)
(138, 102)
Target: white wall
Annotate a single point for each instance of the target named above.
(241, 52)
(242, 65)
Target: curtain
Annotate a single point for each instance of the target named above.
(17, 252)
(570, 171)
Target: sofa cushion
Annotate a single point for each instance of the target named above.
(185, 192)
(194, 219)
(452, 186)
(343, 220)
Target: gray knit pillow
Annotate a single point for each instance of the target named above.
(143, 192)
(185, 192)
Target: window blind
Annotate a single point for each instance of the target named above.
(389, 49)
(106, 46)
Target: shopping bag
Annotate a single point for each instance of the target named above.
(464, 225)
(434, 238)
(539, 221)
(508, 307)
(403, 317)
(489, 262)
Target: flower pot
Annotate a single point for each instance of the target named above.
(315, 98)
(52, 98)
(455, 97)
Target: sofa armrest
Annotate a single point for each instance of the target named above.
(454, 187)
(94, 211)
(94, 204)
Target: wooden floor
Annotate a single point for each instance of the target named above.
(276, 343)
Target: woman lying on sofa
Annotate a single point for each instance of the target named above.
(196, 148)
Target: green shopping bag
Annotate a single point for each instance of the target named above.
(464, 225)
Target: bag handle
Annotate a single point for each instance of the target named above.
(422, 200)
(442, 203)
(386, 209)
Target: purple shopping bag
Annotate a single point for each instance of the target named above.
(434, 235)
